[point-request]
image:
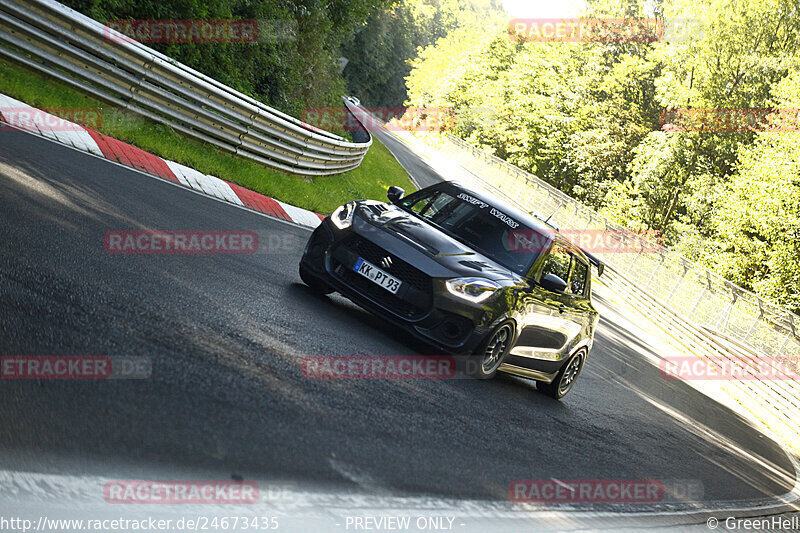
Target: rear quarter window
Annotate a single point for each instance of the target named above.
(558, 262)
(580, 273)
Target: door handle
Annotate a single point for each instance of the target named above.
(562, 308)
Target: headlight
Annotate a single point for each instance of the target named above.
(472, 289)
(342, 218)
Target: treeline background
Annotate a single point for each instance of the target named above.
(586, 117)
(295, 63)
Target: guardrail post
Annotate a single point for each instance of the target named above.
(726, 312)
(791, 326)
(756, 319)
(702, 293)
(785, 342)
(141, 79)
(588, 222)
(612, 232)
(633, 262)
(680, 280)
(655, 271)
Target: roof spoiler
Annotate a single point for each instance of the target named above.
(545, 220)
(596, 262)
(592, 259)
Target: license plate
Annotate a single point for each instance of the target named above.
(378, 276)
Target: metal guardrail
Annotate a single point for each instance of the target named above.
(694, 293)
(60, 42)
(713, 318)
(778, 398)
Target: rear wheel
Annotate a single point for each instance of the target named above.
(492, 352)
(565, 378)
(315, 284)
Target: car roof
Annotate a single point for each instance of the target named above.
(509, 209)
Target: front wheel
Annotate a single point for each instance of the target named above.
(565, 378)
(492, 352)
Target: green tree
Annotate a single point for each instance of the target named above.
(591, 119)
(758, 222)
(292, 66)
(379, 54)
(570, 113)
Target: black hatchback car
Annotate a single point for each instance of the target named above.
(466, 273)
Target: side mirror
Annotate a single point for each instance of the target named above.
(553, 283)
(394, 194)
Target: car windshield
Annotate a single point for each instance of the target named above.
(481, 226)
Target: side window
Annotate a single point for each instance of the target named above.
(580, 271)
(430, 206)
(557, 263)
(421, 204)
(442, 203)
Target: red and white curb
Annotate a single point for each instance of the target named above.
(24, 117)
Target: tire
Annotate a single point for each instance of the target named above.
(566, 377)
(485, 361)
(315, 284)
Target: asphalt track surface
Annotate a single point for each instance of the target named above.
(226, 334)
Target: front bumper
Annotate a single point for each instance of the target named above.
(423, 306)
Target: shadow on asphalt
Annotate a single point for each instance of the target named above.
(226, 336)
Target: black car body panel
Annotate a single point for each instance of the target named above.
(549, 326)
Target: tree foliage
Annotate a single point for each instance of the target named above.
(292, 66)
(380, 52)
(592, 119)
(569, 112)
(758, 222)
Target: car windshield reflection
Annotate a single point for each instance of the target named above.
(477, 224)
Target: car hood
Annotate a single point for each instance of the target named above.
(448, 252)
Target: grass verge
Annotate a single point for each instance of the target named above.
(377, 172)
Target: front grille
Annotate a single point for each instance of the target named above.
(399, 268)
(413, 302)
